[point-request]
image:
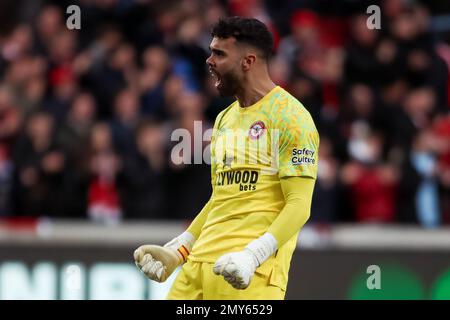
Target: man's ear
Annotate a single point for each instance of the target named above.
(248, 61)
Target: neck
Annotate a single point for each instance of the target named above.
(254, 90)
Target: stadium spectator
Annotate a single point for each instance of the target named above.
(103, 197)
(39, 165)
(141, 180)
(73, 137)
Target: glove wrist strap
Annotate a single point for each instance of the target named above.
(182, 244)
(263, 247)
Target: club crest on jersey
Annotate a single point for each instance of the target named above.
(257, 129)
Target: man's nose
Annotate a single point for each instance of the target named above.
(209, 61)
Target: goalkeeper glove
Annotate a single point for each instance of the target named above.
(158, 262)
(238, 268)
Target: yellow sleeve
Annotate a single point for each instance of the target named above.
(197, 224)
(298, 145)
(298, 193)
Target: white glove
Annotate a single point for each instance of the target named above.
(158, 262)
(238, 268)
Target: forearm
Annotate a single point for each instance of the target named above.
(197, 224)
(298, 193)
(158, 262)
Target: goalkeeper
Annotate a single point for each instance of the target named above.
(241, 244)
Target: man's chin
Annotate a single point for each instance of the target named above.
(224, 91)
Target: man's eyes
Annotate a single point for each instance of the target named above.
(218, 53)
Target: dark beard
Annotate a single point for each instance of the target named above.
(229, 85)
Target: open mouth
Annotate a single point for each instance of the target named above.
(216, 76)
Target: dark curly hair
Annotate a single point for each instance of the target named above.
(245, 30)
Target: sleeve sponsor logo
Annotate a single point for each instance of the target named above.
(302, 156)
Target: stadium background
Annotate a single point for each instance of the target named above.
(86, 117)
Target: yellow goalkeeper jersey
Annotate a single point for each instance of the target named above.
(251, 149)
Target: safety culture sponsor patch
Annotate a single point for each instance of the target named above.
(302, 156)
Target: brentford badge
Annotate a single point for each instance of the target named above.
(257, 129)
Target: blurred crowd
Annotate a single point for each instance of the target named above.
(86, 115)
